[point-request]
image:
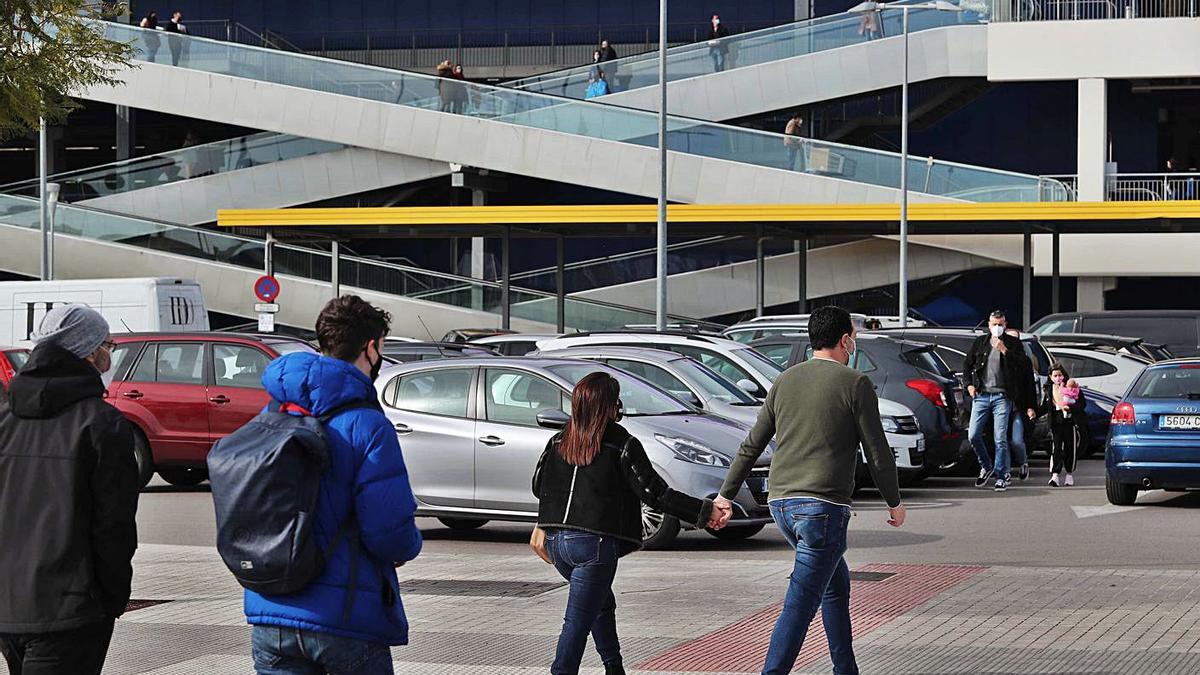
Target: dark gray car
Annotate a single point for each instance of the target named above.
(909, 373)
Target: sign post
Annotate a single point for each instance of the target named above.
(266, 289)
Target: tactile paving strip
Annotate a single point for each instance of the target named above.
(742, 646)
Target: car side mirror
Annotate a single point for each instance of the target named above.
(552, 419)
(695, 401)
(748, 386)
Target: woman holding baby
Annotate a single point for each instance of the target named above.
(1064, 402)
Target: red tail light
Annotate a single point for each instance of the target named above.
(930, 390)
(1124, 415)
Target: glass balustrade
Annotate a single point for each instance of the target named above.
(745, 49)
(588, 119)
(369, 275)
(183, 164)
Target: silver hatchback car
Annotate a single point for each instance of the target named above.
(473, 429)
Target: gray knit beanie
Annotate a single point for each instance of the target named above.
(76, 328)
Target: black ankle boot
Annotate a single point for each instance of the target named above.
(615, 668)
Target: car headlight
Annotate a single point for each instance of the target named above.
(693, 451)
(890, 424)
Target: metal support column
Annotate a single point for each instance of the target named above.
(478, 198)
(505, 308)
(125, 135)
(760, 275)
(269, 254)
(802, 274)
(1027, 280)
(335, 273)
(660, 301)
(904, 180)
(1055, 275)
(43, 197)
(560, 284)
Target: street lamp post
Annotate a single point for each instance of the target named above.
(870, 6)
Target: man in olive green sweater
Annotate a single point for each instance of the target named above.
(820, 412)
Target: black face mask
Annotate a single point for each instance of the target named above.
(375, 367)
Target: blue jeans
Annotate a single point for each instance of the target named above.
(999, 408)
(718, 58)
(1020, 454)
(291, 651)
(589, 563)
(820, 578)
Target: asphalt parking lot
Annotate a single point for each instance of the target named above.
(1034, 580)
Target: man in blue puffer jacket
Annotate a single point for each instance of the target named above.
(306, 632)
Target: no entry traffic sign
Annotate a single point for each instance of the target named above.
(266, 288)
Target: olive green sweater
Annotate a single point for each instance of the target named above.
(819, 412)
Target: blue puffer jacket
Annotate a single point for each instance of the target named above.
(366, 479)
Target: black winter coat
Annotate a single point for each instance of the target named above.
(68, 496)
(605, 497)
(1015, 367)
(1078, 409)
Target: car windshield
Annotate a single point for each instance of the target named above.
(761, 364)
(17, 358)
(291, 346)
(638, 399)
(713, 384)
(1178, 383)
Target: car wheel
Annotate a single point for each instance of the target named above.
(463, 523)
(736, 532)
(144, 458)
(658, 529)
(1119, 494)
(183, 475)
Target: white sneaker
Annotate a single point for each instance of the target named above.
(1054, 482)
(1069, 480)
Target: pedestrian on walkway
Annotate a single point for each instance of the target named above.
(608, 56)
(718, 48)
(794, 142)
(445, 85)
(68, 496)
(598, 85)
(1065, 402)
(868, 25)
(344, 621)
(459, 93)
(819, 413)
(996, 370)
(175, 40)
(591, 482)
(150, 37)
(1027, 405)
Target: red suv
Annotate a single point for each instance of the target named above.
(185, 391)
(11, 360)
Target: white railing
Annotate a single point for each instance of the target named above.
(1141, 187)
(1085, 10)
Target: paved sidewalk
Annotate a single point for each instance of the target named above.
(500, 614)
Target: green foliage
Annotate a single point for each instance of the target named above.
(48, 49)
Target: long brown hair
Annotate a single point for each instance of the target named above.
(593, 403)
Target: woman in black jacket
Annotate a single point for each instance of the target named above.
(590, 483)
(1066, 406)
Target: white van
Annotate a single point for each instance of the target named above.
(129, 305)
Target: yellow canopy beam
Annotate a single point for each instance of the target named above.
(707, 213)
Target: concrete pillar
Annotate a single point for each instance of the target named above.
(802, 274)
(1055, 274)
(560, 284)
(335, 272)
(1027, 280)
(1092, 142)
(505, 303)
(1090, 292)
(760, 275)
(803, 9)
(478, 198)
(125, 142)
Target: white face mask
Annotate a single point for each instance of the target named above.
(997, 331)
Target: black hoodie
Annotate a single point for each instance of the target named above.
(68, 496)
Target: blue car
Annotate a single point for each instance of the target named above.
(1154, 438)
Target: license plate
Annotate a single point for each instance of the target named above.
(1190, 422)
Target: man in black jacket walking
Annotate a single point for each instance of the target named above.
(68, 495)
(998, 378)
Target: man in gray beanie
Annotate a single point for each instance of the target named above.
(68, 497)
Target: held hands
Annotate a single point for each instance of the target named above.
(998, 344)
(722, 511)
(971, 390)
(896, 515)
(1031, 413)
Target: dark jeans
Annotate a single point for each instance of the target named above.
(998, 408)
(79, 651)
(589, 562)
(718, 59)
(820, 578)
(290, 651)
